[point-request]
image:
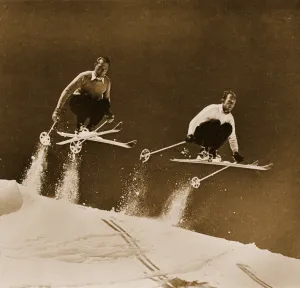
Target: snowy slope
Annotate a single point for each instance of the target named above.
(51, 243)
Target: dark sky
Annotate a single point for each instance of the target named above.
(169, 60)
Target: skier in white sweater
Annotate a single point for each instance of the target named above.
(212, 126)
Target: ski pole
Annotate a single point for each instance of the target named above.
(196, 181)
(145, 154)
(214, 173)
(44, 136)
(52, 127)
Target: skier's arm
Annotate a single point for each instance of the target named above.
(69, 90)
(203, 116)
(106, 94)
(232, 139)
(234, 144)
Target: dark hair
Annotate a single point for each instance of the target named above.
(104, 58)
(226, 93)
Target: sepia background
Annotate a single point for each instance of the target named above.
(169, 59)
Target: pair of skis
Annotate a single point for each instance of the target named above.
(77, 139)
(195, 181)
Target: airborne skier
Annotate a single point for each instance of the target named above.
(90, 97)
(212, 126)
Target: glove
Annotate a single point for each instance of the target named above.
(237, 157)
(56, 115)
(109, 117)
(190, 138)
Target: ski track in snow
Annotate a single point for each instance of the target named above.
(162, 278)
(140, 255)
(246, 269)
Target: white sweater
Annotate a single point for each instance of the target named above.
(215, 112)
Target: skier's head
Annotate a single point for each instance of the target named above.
(101, 66)
(228, 100)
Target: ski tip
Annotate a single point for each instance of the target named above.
(269, 166)
(119, 126)
(131, 144)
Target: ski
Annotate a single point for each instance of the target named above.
(77, 137)
(253, 166)
(86, 135)
(129, 144)
(77, 140)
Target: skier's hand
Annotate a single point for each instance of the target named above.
(237, 157)
(109, 117)
(56, 115)
(190, 138)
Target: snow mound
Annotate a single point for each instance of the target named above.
(56, 244)
(11, 199)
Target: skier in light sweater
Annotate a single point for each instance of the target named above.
(212, 126)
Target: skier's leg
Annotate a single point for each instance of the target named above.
(205, 133)
(99, 109)
(204, 137)
(222, 135)
(80, 106)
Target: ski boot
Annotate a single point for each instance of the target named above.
(81, 129)
(203, 155)
(109, 117)
(214, 156)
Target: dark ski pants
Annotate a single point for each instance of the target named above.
(84, 107)
(212, 134)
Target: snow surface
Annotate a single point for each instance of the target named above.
(53, 243)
